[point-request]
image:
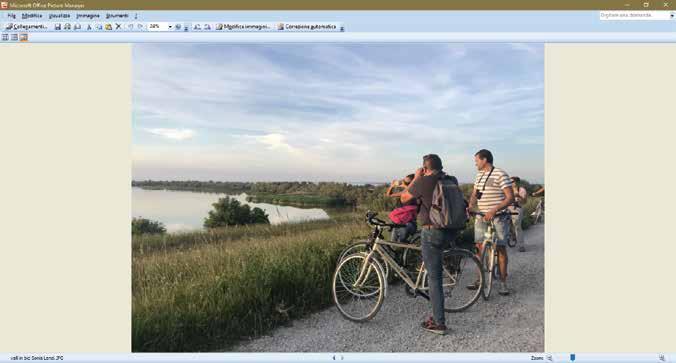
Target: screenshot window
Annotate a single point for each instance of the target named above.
(355, 181)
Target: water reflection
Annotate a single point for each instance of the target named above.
(182, 210)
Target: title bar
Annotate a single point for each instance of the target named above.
(340, 5)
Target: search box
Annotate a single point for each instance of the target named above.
(636, 15)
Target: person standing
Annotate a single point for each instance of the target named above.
(433, 240)
(517, 208)
(492, 193)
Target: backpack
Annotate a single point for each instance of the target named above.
(404, 214)
(448, 208)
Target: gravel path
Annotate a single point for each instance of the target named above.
(512, 323)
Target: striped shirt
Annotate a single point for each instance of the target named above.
(493, 194)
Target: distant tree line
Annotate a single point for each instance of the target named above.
(298, 193)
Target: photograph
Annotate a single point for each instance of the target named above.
(357, 197)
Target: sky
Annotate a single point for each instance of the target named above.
(334, 112)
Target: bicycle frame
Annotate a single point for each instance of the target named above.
(377, 243)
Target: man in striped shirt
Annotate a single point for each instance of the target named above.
(492, 193)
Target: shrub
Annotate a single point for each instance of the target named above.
(230, 212)
(146, 226)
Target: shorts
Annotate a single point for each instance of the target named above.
(502, 229)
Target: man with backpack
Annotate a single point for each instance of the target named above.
(441, 216)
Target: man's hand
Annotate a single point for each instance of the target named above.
(489, 215)
(420, 172)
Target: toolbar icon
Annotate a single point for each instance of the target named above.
(23, 37)
(77, 26)
(66, 27)
(15, 37)
(4, 5)
(57, 26)
(5, 37)
(109, 27)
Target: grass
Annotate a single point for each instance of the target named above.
(212, 295)
(149, 243)
(205, 291)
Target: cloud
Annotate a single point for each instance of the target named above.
(173, 134)
(354, 111)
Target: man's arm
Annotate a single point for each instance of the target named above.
(472, 199)
(407, 195)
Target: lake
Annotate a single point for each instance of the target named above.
(184, 211)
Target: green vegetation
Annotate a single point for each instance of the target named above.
(214, 294)
(207, 290)
(230, 212)
(287, 193)
(146, 226)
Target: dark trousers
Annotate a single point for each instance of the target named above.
(434, 242)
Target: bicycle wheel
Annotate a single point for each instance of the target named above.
(512, 237)
(461, 268)
(362, 290)
(488, 264)
(361, 247)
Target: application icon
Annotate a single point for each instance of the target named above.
(23, 37)
(219, 26)
(4, 5)
(280, 26)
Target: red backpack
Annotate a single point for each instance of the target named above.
(405, 214)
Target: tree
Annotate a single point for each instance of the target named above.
(230, 212)
(146, 226)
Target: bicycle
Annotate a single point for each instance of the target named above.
(539, 213)
(359, 285)
(406, 258)
(489, 254)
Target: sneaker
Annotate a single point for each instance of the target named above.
(433, 327)
(522, 249)
(503, 290)
(474, 286)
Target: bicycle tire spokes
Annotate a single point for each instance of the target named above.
(358, 287)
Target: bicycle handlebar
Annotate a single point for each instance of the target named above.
(500, 213)
(371, 219)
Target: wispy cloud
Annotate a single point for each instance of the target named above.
(347, 112)
(173, 134)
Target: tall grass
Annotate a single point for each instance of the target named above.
(208, 297)
(148, 243)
